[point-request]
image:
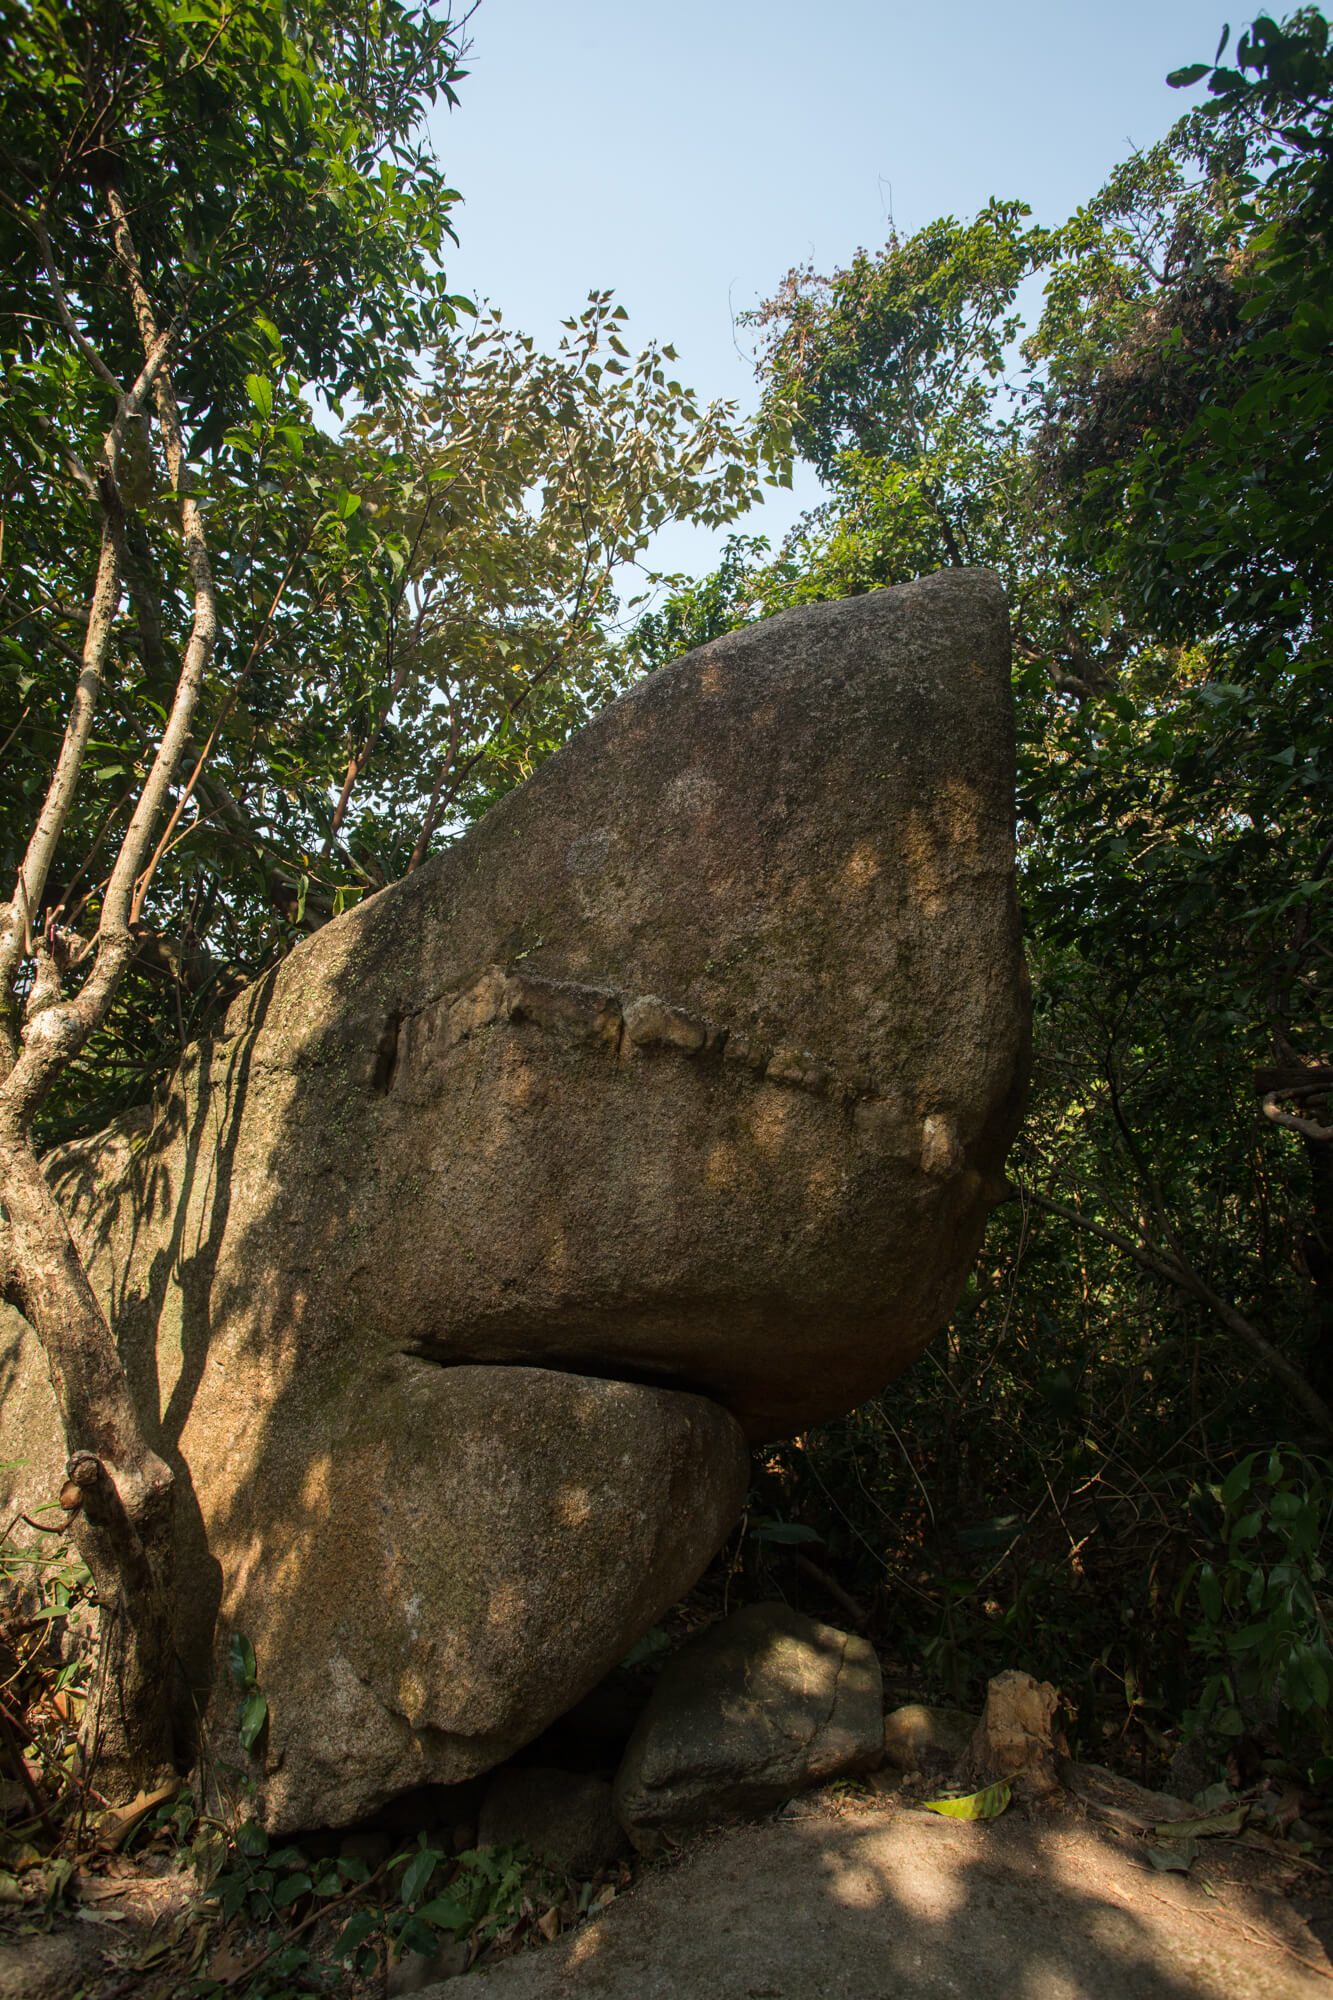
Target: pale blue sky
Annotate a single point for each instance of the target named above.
(686, 155)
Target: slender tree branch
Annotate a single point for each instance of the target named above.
(1309, 1128)
(38, 228)
(145, 880)
(14, 922)
(433, 807)
(358, 761)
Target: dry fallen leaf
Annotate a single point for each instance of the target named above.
(1175, 1857)
(116, 1824)
(226, 1964)
(549, 1924)
(1205, 1826)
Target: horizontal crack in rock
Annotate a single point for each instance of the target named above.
(600, 1017)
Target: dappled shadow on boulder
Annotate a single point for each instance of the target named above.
(664, 1110)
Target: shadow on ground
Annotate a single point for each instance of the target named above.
(893, 1904)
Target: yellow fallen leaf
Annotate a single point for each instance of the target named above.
(976, 1805)
(549, 1925)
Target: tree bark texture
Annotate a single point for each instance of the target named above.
(124, 1502)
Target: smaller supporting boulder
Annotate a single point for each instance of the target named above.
(757, 1708)
(459, 1555)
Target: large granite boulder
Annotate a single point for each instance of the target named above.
(691, 1068)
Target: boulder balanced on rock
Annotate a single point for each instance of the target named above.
(663, 1111)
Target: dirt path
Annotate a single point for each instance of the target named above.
(894, 1904)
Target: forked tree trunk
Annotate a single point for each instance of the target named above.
(118, 1491)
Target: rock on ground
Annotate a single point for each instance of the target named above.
(414, 1973)
(897, 1905)
(1016, 1736)
(917, 1738)
(763, 1705)
(694, 1063)
(562, 1817)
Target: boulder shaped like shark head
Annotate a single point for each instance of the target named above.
(661, 1112)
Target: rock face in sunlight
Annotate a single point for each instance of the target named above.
(692, 1067)
(460, 1548)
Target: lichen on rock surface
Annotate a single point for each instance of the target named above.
(689, 1071)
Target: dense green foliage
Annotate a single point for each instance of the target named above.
(1058, 1486)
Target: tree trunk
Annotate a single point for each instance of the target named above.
(120, 1493)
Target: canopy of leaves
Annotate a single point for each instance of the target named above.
(413, 597)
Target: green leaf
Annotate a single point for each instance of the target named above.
(1210, 1592)
(241, 1660)
(994, 1534)
(260, 391)
(447, 1914)
(654, 1643)
(785, 1534)
(417, 1874)
(1237, 1481)
(986, 1804)
(1206, 1826)
(291, 1959)
(254, 1714)
(1181, 79)
(1174, 1858)
(251, 1840)
(290, 1890)
(354, 1933)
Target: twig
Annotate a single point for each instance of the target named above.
(30, 1523)
(248, 1970)
(1259, 1933)
(26, 1779)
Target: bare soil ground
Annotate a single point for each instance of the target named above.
(889, 1902)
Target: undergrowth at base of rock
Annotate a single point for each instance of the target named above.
(233, 1913)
